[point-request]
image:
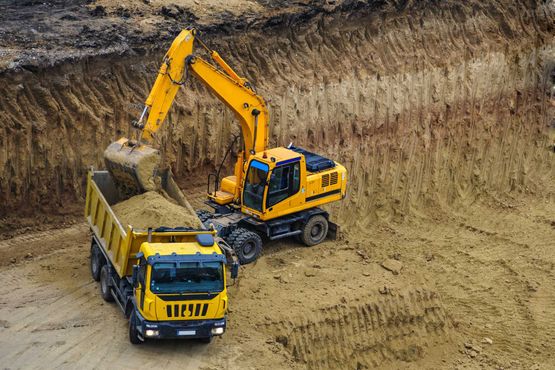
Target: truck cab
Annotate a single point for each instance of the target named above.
(179, 290)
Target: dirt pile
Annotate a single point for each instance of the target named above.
(151, 209)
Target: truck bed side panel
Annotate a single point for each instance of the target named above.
(114, 240)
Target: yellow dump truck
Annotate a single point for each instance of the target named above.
(170, 283)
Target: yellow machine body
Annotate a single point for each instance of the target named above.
(168, 307)
(315, 187)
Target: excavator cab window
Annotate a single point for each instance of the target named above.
(284, 182)
(255, 182)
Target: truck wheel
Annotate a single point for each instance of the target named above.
(134, 337)
(315, 230)
(246, 244)
(105, 284)
(97, 261)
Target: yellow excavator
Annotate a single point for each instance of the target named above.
(273, 193)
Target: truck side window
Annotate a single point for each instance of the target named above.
(284, 182)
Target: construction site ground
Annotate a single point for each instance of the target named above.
(439, 111)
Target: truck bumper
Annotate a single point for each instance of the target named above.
(180, 329)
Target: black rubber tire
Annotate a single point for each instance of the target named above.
(134, 337)
(105, 290)
(315, 230)
(204, 215)
(246, 244)
(96, 261)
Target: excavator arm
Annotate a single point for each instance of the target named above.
(134, 165)
(235, 92)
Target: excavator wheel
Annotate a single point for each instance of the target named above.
(315, 230)
(246, 244)
(204, 215)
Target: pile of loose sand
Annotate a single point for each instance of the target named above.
(151, 209)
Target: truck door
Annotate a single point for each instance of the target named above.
(140, 293)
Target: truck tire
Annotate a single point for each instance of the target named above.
(246, 244)
(315, 230)
(204, 215)
(134, 337)
(97, 261)
(105, 291)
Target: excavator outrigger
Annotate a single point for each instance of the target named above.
(273, 193)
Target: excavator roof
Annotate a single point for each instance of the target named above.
(314, 162)
(280, 154)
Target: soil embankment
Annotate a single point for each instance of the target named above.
(437, 109)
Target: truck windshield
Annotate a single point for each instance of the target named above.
(187, 277)
(254, 185)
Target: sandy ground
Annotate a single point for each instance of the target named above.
(438, 110)
(486, 272)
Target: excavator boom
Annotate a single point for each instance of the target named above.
(134, 164)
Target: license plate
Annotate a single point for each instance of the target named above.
(186, 332)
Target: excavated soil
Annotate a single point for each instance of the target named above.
(152, 210)
(439, 110)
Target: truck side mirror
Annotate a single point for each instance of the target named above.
(135, 276)
(235, 270)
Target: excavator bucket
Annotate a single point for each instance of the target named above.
(134, 167)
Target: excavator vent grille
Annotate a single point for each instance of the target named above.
(325, 180)
(333, 179)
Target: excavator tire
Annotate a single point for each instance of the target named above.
(246, 244)
(96, 262)
(315, 230)
(105, 284)
(204, 215)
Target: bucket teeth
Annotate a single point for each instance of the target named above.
(133, 167)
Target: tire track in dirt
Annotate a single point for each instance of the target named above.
(19, 247)
(368, 333)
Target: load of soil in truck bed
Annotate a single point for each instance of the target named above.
(151, 209)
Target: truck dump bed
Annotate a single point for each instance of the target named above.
(121, 244)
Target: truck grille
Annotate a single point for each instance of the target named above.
(187, 310)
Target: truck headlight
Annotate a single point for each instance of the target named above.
(217, 331)
(151, 333)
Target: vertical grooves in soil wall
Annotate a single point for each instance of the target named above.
(431, 109)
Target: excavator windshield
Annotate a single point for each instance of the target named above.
(253, 193)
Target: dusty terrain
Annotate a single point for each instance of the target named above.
(438, 110)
